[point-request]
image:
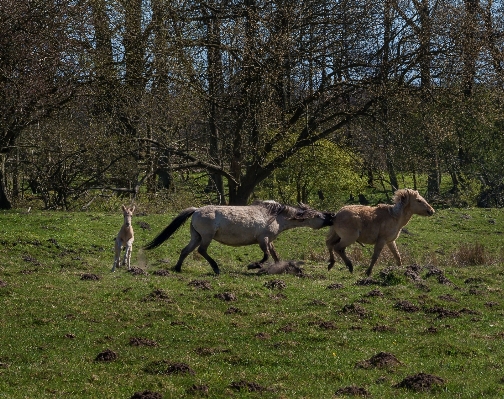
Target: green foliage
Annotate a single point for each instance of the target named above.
(323, 167)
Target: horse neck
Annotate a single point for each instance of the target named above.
(404, 215)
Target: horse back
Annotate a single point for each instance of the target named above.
(369, 224)
(233, 225)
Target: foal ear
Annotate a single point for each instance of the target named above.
(132, 209)
(123, 208)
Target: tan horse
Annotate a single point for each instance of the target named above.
(259, 223)
(377, 225)
(125, 239)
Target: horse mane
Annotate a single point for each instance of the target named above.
(401, 199)
(275, 209)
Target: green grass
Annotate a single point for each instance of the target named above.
(303, 341)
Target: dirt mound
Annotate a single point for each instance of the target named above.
(275, 284)
(352, 391)
(201, 390)
(374, 293)
(201, 284)
(335, 286)
(161, 272)
(106, 356)
(368, 281)
(147, 395)
(420, 382)
(89, 276)
(354, 309)
(226, 296)
(442, 312)
(232, 310)
(136, 271)
(439, 274)
(158, 295)
(383, 328)
(380, 360)
(247, 386)
(144, 225)
(2, 283)
(406, 306)
(135, 341)
(327, 325)
(165, 367)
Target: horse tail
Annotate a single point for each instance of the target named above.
(172, 228)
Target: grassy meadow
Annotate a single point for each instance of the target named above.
(72, 329)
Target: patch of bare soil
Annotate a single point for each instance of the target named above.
(262, 335)
(420, 382)
(317, 302)
(439, 274)
(384, 328)
(287, 328)
(374, 293)
(137, 271)
(166, 367)
(158, 295)
(368, 281)
(335, 286)
(327, 325)
(354, 309)
(275, 284)
(232, 310)
(161, 272)
(448, 298)
(201, 390)
(226, 296)
(137, 341)
(2, 283)
(31, 259)
(380, 360)
(200, 284)
(90, 276)
(352, 391)
(147, 395)
(144, 225)
(243, 385)
(406, 306)
(106, 356)
(442, 312)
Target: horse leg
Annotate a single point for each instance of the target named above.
(377, 250)
(331, 241)
(127, 254)
(339, 247)
(264, 245)
(273, 252)
(202, 250)
(193, 244)
(117, 257)
(393, 248)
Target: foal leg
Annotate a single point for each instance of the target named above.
(377, 250)
(393, 248)
(331, 241)
(127, 254)
(340, 247)
(117, 257)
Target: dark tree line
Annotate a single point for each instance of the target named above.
(124, 95)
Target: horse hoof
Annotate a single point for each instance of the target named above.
(330, 266)
(255, 265)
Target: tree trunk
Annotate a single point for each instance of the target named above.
(5, 202)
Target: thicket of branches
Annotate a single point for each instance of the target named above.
(139, 96)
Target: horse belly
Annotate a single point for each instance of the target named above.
(235, 239)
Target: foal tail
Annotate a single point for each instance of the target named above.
(172, 228)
